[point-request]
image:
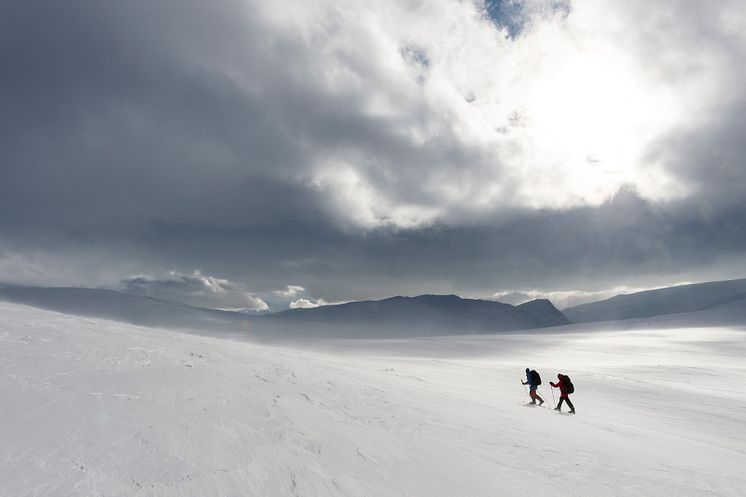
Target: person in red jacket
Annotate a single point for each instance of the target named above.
(563, 385)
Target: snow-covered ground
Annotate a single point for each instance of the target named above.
(92, 407)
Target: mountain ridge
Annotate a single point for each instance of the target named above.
(424, 315)
(124, 307)
(398, 316)
(677, 299)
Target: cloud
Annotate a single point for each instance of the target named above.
(366, 149)
(290, 291)
(194, 283)
(195, 289)
(253, 305)
(332, 103)
(293, 297)
(306, 303)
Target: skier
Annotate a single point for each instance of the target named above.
(533, 380)
(566, 388)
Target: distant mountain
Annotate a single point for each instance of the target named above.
(118, 306)
(425, 315)
(673, 300)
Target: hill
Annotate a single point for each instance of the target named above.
(424, 315)
(92, 407)
(124, 307)
(664, 301)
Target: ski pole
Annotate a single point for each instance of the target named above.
(554, 402)
(524, 387)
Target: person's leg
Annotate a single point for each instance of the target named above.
(572, 407)
(533, 396)
(541, 401)
(559, 404)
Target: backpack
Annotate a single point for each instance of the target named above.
(570, 386)
(535, 377)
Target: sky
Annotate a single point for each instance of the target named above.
(258, 155)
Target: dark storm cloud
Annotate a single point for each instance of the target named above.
(107, 122)
(626, 240)
(173, 111)
(147, 136)
(711, 154)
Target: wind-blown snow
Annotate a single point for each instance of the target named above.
(93, 407)
(671, 300)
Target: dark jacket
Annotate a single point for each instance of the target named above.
(531, 379)
(562, 385)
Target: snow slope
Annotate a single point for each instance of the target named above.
(671, 300)
(119, 306)
(92, 407)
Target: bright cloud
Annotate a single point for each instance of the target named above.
(306, 303)
(563, 114)
(290, 291)
(255, 303)
(363, 149)
(195, 289)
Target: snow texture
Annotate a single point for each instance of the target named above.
(93, 407)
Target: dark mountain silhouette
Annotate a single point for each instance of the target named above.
(426, 315)
(710, 296)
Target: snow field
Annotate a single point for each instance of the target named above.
(93, 407)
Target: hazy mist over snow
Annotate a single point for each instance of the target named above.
(231, 153)
(141, 411)
(569, 298)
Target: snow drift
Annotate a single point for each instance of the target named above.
(95, 407)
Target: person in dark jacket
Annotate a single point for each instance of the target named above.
(562, 384)
(532, 380)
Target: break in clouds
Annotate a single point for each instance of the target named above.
(363, 149)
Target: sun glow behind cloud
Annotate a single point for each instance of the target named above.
(362, 149)
(586, 122)
(466, 121)
(574, 109)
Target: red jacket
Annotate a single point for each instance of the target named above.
(562, 385)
